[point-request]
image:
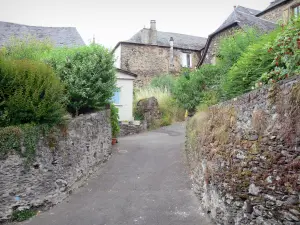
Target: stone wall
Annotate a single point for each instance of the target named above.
(214, 44)
(244, 157)
(57, 170)
(149, 61)
(131, 129)
(276, 14)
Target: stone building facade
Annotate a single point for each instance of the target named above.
(279, 10)
(211, 54)
(240, 18)
(150, 53)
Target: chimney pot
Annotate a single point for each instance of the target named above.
(152, 24)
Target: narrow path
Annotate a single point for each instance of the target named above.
(145, 182)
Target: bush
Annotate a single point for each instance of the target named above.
(169, 108)
(286, 53)
(232, 47)
(165, 81)
(190, 88)
(89, 75)
(114, 119)
(27, 48)
(30, 93)
(255, 61)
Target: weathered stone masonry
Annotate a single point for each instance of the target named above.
(215, 43)
(57, 170)
(244, 156)
(277, 13)
(149, 61)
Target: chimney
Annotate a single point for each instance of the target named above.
(234, 6)
(153, 33)
(152, 25)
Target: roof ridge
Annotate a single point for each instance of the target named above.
(21, 24)
(256, 17)
(181, 34)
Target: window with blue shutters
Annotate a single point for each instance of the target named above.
(116, 98)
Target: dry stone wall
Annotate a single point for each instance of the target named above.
(131, 129)
(57, 170)
(244, 156)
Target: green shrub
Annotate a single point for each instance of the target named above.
(114, 119)
(165, 81)
(23, 215)
(232, 47)
(30, 93)
(286, 61)
(89, 75)
(255, 61)
(190, 88)
(27, 48)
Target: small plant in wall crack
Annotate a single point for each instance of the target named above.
(23, 215)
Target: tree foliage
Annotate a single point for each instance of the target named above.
(255, 61)
(26, 48)
(165, 81)
(232, 47)
(30, 93)
(88, 74)
(286, 54)
(190, 88)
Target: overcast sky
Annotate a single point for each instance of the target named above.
(116, 20)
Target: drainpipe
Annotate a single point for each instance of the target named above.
(171, 53)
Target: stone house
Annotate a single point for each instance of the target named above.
(151, 52)
(60, 36)
(240, 18)
(281, 10)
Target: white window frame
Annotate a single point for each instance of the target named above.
(184, 60)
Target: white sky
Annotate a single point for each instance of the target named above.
(116, 20)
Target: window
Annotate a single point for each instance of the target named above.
(116, 98)
(296, 11)
(186, 60)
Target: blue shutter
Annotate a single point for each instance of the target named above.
(116, 97)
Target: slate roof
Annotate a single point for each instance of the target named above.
(60, 36)
(181, 41)
(273, 5)
(242, 17)
(246, 17)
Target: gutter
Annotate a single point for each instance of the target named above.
(162, 46)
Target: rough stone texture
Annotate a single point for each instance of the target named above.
(149, 109)
(245, 159)
(58, 170)
(131, 129)
(214, 44)
(149, 61)
(276, 14)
